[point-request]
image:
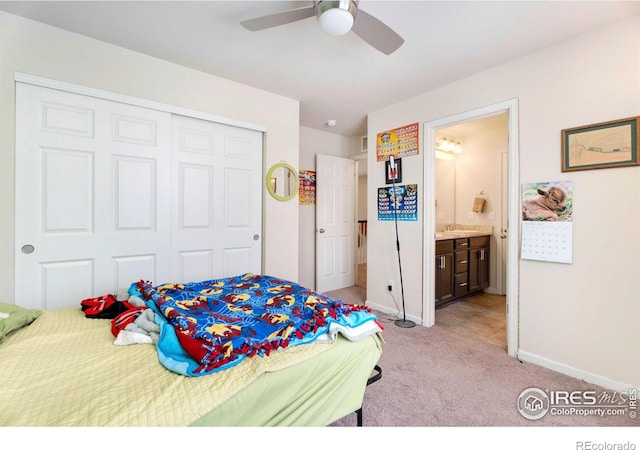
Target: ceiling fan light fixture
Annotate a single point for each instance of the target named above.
(336, 17)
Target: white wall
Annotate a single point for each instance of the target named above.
(313, 142)
(33, 48)
(580, 317)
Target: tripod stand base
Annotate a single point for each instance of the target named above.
(404, 323)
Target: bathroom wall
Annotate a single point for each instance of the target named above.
(477, 173)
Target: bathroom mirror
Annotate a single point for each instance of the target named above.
(282, 182)
(445, 171)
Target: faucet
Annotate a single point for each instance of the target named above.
(450, 227)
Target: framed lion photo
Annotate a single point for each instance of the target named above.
(601, 145)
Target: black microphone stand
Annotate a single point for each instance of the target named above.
(403, 323)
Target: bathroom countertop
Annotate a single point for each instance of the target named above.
(457, 234)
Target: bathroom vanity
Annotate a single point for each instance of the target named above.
(461, 265)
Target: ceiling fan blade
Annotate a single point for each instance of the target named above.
(277, 19)
(376, 33)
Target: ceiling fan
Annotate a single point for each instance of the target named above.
(335, 18)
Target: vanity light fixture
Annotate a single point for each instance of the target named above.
(448, 145)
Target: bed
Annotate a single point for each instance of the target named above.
(63, 368)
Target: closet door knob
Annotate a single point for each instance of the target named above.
(321, 230)
(28, 249)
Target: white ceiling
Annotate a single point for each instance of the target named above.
(341, 78)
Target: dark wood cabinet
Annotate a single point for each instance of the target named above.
(461, 276)
(444, 272)
(462, 268)
(478, 263)
(461, 273)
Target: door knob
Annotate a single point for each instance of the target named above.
(256, 237)
(28, 249)
(321, 230)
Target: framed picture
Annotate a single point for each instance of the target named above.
(393, 174)
(601, 145)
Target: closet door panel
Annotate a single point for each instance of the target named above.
(218, 219)
(92, 204)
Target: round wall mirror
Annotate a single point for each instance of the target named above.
(282, 182)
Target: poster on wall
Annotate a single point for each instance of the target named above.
(307, 187)
(402, 202)
(547, 221)
(398, 142)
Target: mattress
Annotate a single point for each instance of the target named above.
(64, 370)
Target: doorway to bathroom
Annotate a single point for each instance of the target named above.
(469, 196)
(501, 194)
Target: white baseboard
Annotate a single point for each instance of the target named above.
(580, 374)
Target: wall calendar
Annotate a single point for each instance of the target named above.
(547, 223)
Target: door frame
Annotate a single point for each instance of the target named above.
(513, 213)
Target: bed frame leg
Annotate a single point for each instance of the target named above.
(371, 379)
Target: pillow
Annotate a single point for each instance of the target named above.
(18, 317)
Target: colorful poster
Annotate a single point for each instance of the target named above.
(307, 187)
(403, 203)
(398, 142)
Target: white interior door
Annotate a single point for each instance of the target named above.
(98, 191)
(335, 223)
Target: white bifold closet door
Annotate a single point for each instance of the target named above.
(108, 193)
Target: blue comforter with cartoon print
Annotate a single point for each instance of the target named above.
(211, 325)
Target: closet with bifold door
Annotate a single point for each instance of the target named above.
(111, 190)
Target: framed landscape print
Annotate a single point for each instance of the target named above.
(601, 145)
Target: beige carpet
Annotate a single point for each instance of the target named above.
(436, 377)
